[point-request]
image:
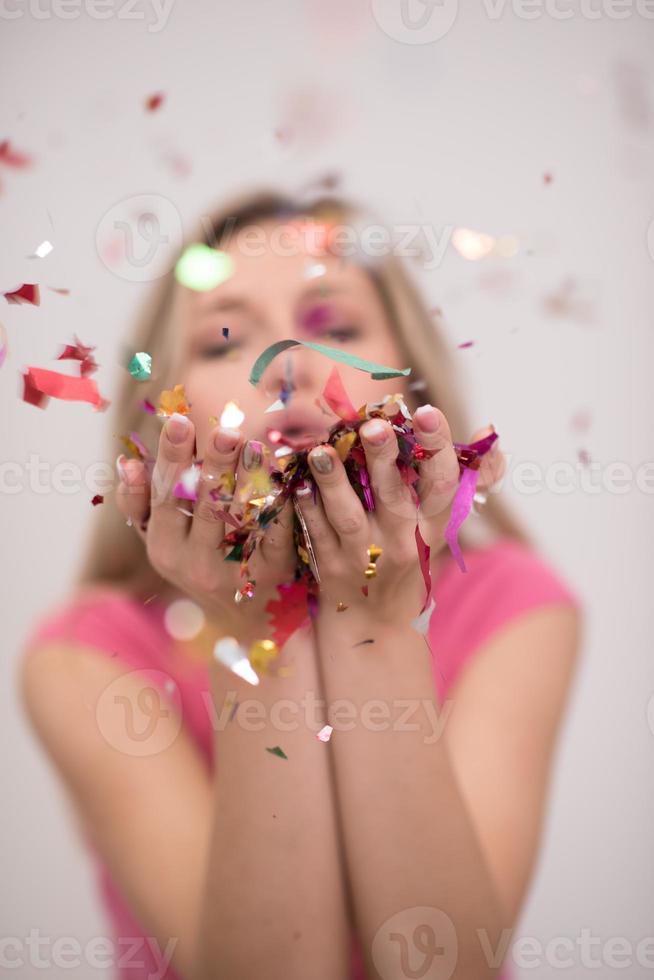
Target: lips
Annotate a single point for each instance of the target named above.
(298, 427)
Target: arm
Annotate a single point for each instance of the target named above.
(239, 875)
(409, 838)
(274, 902)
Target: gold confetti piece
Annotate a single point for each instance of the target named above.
(343, 445)
(341, 607)
(173, 401)
(262, 653)
(374, 551)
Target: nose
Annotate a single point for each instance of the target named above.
(296, 370)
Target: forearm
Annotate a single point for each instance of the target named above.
(408, 837)
(275, 901)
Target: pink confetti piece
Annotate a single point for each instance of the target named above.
(325, 733)
(154, 102)
(338, 399)
(13, 158)
(460, 509)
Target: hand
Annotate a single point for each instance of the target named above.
(341, 530)
(183, 549)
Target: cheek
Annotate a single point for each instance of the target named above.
(208, 389)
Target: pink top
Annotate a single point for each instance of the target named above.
(503, 580)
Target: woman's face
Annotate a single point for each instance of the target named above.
(272, 297)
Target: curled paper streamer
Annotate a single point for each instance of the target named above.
(376, 371)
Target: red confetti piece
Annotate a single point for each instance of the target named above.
(57, 289)
(154, 102)
(40, 384)
(147, 406)
(13, 158)
(98, 499)
(338, 399)
(27, 293)
(79, 352)
(288, 612)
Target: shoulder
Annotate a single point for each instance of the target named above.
(508, 586)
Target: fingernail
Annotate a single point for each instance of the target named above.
(321, 460)
(428, 418)
(120, 467)
(226, 440)
(177, 428)
(375, 432)
(252, 454)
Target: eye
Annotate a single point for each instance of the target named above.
(342, 334)
(218, 350)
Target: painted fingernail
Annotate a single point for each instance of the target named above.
(375, 432)
(226, 440)
(177, 428)
(252, 454)
(428, 418)
(321, 460)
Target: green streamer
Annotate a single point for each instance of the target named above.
(376, 371)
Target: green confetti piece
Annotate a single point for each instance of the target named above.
(140, 366)
(277, 751)
(376, 371)
(201, 267)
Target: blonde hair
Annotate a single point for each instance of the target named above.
(115, 554)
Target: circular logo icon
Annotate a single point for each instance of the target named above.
(135, 716)
(415, 21)
(138, 239)
(418, 943)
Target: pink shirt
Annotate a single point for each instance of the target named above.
(503, 580)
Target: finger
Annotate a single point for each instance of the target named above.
(438, 475)
(393, 498)
(322, 536)
(492, 464)
(214, 492)
(340, 504)
(168, 525)
(133, 492)
(276, 547)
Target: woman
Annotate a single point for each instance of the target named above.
(406, 843)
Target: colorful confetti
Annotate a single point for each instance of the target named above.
(27, 293)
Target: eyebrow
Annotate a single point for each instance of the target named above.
(231, 304)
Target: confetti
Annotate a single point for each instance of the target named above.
(42, 250)
(231, 416)
(377, 371)
(325, 733)
(79, 352)
(98, 499)
(154, 102)
(472, 245)
(226, 333)
(140, 366)
(229, 652)
(13, 158)
(27, 293)
(173, 401)
(421, 622)
(337, 398)
(4, 346)
(262, 654)
(39, 384)
(277, 751)
(201, 267)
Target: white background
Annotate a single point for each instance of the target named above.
(456, 132)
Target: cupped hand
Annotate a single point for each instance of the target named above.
(184, 549)
(341, 530)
